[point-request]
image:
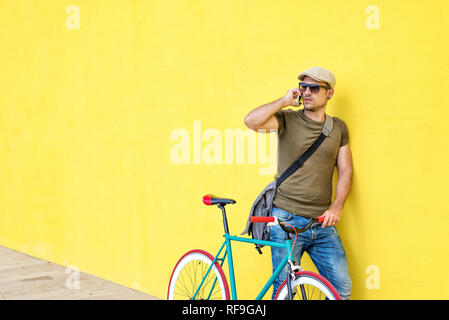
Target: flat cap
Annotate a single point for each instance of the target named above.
(319, 74)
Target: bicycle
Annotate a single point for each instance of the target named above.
(199, 275)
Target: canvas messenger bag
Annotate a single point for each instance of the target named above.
(263, 204)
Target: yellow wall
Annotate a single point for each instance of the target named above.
(90, 117)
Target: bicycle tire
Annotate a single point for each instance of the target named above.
(188, 274)
(319, 285)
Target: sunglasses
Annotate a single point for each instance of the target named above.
(314, 88)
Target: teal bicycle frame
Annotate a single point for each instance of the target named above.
(228, 252)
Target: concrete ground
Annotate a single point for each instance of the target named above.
(23, 277)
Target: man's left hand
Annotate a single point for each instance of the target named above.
(331, 217)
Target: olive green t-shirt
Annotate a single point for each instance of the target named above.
(308, 191)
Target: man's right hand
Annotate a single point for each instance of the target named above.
(291, 98)
(263, 116)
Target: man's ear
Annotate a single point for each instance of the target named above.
(330, 93)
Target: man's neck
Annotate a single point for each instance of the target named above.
(318, 115)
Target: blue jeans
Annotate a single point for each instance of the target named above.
(323, 246)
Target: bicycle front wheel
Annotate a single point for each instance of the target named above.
(190, 272)
(308, 286)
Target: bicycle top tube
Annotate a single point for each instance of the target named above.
(256, 241)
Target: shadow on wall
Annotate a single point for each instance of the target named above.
(351, 225)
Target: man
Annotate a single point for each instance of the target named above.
(308, 192)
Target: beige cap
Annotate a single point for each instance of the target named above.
(319, 74)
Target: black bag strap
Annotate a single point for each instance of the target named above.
(327, 128)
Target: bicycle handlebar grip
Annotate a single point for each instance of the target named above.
(262, 219)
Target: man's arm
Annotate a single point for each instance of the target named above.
(344, 167)
(263, 116)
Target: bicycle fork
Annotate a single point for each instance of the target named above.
(289, 283)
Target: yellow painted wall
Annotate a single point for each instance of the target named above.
(90, 117)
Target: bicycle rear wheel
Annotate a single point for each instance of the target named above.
(308, 286)
(188, 274)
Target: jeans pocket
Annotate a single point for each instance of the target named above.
(281, 214)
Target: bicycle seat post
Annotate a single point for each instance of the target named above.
(225, 220)
(210, 199)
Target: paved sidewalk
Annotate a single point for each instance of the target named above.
(23, 277)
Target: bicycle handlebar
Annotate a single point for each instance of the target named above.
(319, 219)
(277, 221)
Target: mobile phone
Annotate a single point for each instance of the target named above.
(299, 100)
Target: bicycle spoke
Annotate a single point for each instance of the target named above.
(307, 287)
(190, 278)
(195, 269)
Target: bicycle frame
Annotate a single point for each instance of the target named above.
(228, 252)
(287, 245)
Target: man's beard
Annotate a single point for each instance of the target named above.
(312, 107)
